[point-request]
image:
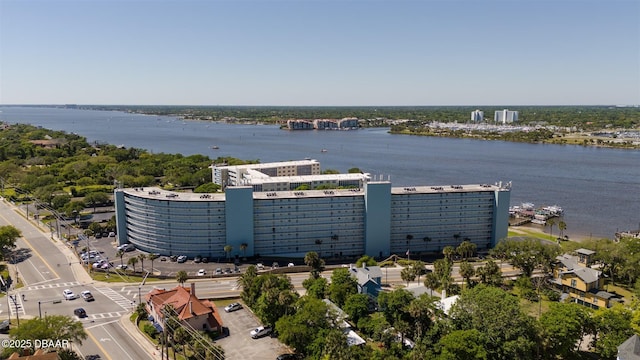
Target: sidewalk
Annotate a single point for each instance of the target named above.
(139, 338)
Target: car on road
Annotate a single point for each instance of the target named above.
(260, 331)
(182, 258)
(233, 307)
(87, 296)
(80, 312)
(68, 294)
(201, 272)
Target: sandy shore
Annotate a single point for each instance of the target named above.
(533, 230)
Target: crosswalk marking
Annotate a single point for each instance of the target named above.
(116, 297)
(108, 315)
(53, 286)
(16, 306)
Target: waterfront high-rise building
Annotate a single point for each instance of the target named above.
(375, 219)
(505, 116)
(477, 116)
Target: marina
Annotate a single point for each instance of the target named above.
(526, 213)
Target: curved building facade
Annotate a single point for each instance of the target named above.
(377, 220)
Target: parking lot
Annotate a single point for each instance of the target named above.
(239, 345)
(106, 247)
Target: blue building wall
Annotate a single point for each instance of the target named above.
(377, 218)
(239, 219)
(501, 222)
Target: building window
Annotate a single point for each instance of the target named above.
(574, 283)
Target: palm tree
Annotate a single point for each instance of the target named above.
(467, 272)
(181, 337)
(152, 257)
(408, 274)
(562, 226)
(448, 252)
(133, 261)
(418, 268)
(243, 248)
(141, 257)
(182, 277)
(120, 254)
(551, 223)
(228, 249)
(313, 260)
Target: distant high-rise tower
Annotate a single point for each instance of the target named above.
(477, 116)
(505, 116)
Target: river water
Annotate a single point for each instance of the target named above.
(598, 188)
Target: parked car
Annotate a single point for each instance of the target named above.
(201, 272)
(5, 326)
(287, 357)
(182, 258)
(68, 294)
(205, 259)
(112, 234)
(291, 264)
(275, 265)
(121, 267)
(227, 270)
(80, 312)
(233, 307)
(87, 296)
(260, 331)
(173, 258)
(197, 259)
(218, 271)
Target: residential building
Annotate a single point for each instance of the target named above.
(477, 116)
(369, 279)
(630, 349)
(505, 116)
(341, 319)
(191, 311)
(237, 175)
(574, 276)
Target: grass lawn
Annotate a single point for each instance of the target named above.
(116, 277)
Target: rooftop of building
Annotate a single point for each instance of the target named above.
(270, 165)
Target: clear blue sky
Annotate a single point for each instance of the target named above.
(320, 52)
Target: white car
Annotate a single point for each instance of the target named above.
(233, 307)
(68, 294)
(201, 272)
(87, 296)
(260, 331)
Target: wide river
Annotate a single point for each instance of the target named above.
(599, 189)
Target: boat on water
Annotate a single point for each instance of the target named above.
(538, 221)
(324, 150)
(554, 210)
(215, 147)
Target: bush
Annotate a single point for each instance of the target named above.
(150, 330)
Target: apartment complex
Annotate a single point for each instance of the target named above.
(477, 116)
(375, 219)
(505, 116)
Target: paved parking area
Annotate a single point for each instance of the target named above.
(238, 345)
(107, 249)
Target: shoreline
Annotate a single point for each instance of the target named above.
(533, 231)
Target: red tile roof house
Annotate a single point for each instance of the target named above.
(198, 314)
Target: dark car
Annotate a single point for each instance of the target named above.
(173, 258)
(205, 260)
(5, 327)
(197, 259)
(79, 312)
(287, 357)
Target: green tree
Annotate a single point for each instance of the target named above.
(249, 283)
(613, 327)
(551, 223)
(181, 337)
(152, 257)
(312, 260)
(423, 310)
(141, 258)
(243, 248)
(448, 252)
(357, 307)
(466, 249)
(419, 268)
(8, 236)
(562, 226)
(182, 277)
(498, 316)
(562, 327)
(299, 329)
(228, 249)
(366, 260)
(342, 286)
(132, 261)
(463, 345)
(93, 199)
(51, 327)
(528, 254)
(467, 272)
(408, 274)
(394, 304)
(316, 287)
(490, 273)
